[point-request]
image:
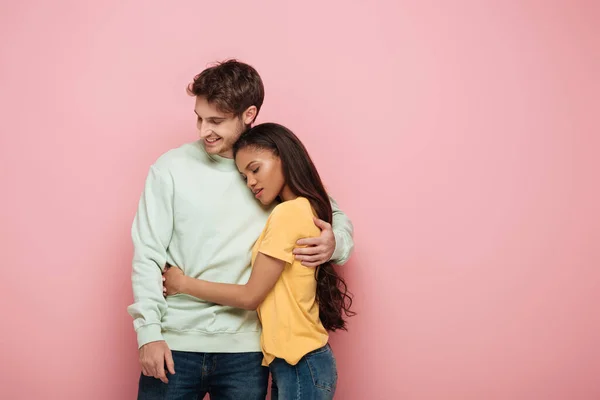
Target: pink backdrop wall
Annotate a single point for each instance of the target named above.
(466, 138)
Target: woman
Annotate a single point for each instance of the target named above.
(296, 305)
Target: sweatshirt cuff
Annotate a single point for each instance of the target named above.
(149, 333)
(338, 252)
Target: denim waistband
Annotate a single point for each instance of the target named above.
(325, 348)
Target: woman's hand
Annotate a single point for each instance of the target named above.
(173, 280)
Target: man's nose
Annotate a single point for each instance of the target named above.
(205, 131)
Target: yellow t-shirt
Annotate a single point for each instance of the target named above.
(289, 314)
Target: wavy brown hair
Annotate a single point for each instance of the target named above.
(302, 178)
(231, 85)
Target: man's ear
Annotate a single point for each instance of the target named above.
(249, 115)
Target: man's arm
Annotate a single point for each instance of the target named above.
(151, 233)
(343, 231)
(335, 243)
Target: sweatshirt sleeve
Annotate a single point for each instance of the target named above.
(343, 231)
(151, 233)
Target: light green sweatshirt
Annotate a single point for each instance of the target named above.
(197, 213)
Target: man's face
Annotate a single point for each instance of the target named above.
(219, 131)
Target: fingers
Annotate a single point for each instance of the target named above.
(312, 264)
(145, 365)
(311, 259)
(311, 242)
(309, 251)
(169, 361)
(160, 372)
(149, 368)
(321, 224)
(310, 256)
(153, 360)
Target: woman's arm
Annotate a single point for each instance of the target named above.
(265, 273)
(283, 228)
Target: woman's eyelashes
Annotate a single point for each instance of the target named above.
(254, 171)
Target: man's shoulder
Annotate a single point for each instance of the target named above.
(174, 157)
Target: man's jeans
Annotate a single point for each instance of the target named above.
(225, 376)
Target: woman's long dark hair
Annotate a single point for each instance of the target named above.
(302, 178)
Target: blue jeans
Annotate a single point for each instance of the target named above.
(225, 376)
(313, 378)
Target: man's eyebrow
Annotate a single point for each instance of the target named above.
(213, 118)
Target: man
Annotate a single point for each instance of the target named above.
(197, 213)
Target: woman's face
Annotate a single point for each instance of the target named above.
(263, 174)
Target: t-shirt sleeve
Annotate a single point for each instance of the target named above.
(283, 229)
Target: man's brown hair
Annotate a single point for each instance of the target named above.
(232, 86)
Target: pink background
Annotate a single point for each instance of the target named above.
(462, 139)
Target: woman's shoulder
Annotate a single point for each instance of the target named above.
(298, 210)
(298, 205)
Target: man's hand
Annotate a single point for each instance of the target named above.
(153, 357)
(320, 249)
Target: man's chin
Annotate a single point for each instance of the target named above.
(220, 151)
(213, 150)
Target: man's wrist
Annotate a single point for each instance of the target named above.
(337, 250)
(149, 333)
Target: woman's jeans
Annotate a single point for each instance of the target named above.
(313, 378)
